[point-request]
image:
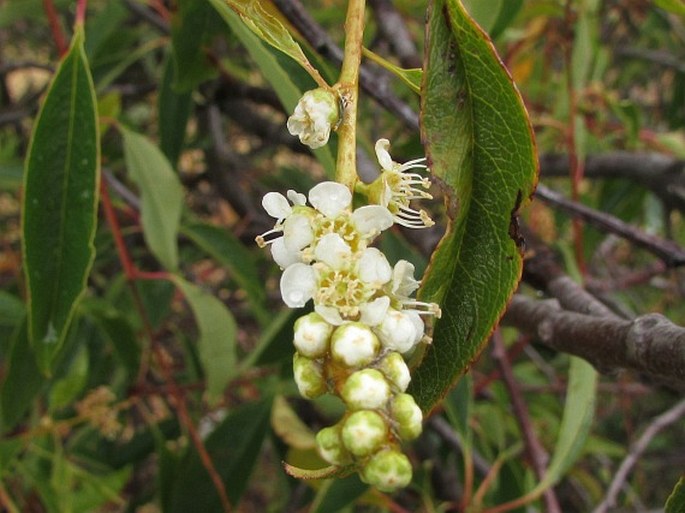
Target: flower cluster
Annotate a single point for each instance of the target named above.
(364, 317)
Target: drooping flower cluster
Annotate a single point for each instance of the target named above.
(364, 318)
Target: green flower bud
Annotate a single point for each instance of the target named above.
(308, 376)
(366, 390)
(312, 334)
(387, 470)
(395, 370)
(354, 345)
(408, 416)
(330, 447)
(364, 432)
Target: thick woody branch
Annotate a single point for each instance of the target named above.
(649, 344)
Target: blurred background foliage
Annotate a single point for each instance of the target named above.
(135, 417)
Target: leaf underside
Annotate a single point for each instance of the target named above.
(481, 150)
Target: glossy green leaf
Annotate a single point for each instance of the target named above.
(217, 341)
(226, 249)
(282, 82)
(480, 145)
(174, 109)
(161, 196)
(192, 27)
(234, 447)
(60, 202)
(676, 501)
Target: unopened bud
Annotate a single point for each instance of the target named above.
(364, 432)
(308, 377)
(315, 115)
(366, 390)
(312, 334)
(387, 470)
(354, 344)
(408, 416)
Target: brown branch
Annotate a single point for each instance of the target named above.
(662, 421)
(57, 34)
(393, 29)
(670, 252)
(536, 453)
(649, 344)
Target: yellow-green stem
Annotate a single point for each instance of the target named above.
(348, 87)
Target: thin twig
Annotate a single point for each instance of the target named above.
(662, 421)
(670, 252)
(536, 453)
(451, 438)
(55, 27)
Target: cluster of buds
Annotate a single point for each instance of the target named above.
(364, 321)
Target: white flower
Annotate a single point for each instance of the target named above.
(396, 187)
(298, 284)
(315, 115)
(402, 286)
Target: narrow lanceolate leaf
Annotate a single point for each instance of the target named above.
(217, 341)
(161, 196)
(676, 501)
(60, 202)
(481, 150)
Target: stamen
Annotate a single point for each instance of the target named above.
(269, 237)
(430, 308)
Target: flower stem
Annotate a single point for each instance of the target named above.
(348, 86)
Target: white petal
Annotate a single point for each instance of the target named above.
(332, 250)
(419, 325)
(276, 205)
(297, 232)
(296, 198)
(330, 314)
(374, 267)
(383, 155)
(370, 220)
(330, 198)
(374, 312)
(403, 282)
(298, 284)
(282, 256)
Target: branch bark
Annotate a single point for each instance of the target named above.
(649, 344)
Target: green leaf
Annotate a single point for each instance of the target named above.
(674, 6)
(161, 196)
(227, 250)
(12, 309)
(23, 381)
(192, 27)
(282, 82)
(480, 145)
(494, 16)
(269, 29)
(60, 202)
(676, 501)
(66, 389)
(234, 447)
(174, 109)
(579, 411)
(411, 77)
(217, 342)
(337, 494)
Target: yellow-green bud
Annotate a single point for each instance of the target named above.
(308, 376)
(408, 416)
(364, 432)
(330, 447)
(366, 390)
(312, 334)
(387, 470)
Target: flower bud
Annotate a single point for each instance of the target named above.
(354, 345)
(308, 377)
(408, 416)
(330, 447)
(387, 470)
(364, 432)
(366, 390)
(395, 370)
(315, 115)
(397, 331)
(312, 334)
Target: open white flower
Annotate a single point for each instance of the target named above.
(314, 117)
(402, 286)
(396, 187)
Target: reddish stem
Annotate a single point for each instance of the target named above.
(81, 12)
(176, 393)
(55, 27)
